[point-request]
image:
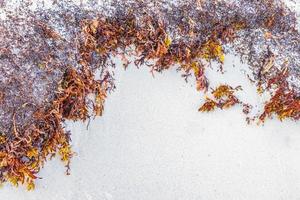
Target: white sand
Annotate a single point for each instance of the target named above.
(152, 143)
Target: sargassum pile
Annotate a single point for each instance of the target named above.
(57, 63)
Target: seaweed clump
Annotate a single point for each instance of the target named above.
(56, 63)
(223, 98)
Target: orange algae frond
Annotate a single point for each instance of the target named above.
(32, 153)
(223, 97)
(168, 41)
(19, 172)
(208, 106)
(284, 104)
(213, 50)
(2, 139)
(223, 91)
